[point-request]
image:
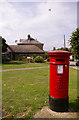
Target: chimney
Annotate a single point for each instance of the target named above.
(64, 42)
(29, 37)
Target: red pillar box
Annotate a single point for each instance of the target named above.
(59, 79)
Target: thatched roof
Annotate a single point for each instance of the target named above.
(24, 49)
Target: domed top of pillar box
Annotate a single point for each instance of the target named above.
(59, 53)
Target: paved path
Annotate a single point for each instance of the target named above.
(45, 112)
(75, 67)
(22, 69)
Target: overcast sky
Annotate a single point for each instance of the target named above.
(18, 19)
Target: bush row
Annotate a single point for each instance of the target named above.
(37, 59)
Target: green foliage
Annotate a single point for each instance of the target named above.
(54, 48)
(74, 42)
(48, 59)
(45, 55)
(39, 59)
(4, 45)
(64, 49)
(34, 55)
(5, 59)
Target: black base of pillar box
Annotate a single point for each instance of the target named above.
(58, 105)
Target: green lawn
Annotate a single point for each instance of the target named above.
(73, 88)
(24, 89)
(28, 89)
(14, 65)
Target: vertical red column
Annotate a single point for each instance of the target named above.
(59, 79)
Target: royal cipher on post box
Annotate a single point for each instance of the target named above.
(59, 80)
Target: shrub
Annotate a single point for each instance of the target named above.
(5, 59)
(77, 63)
(48, 59)
(39, 59)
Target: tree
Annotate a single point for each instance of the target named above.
(74, 43)
(4, 45)
(64, 49)
(54, 48)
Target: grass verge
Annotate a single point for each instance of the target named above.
(25, 92)
(73, 89)
(14, 65)
(25, 89)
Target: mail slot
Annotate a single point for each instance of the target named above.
(59, 79)
(60, 59)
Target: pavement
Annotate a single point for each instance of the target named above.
(72, 64)
(75, 67)
(45, 113)
(23, 69)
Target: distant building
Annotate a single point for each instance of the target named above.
(25, 47)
